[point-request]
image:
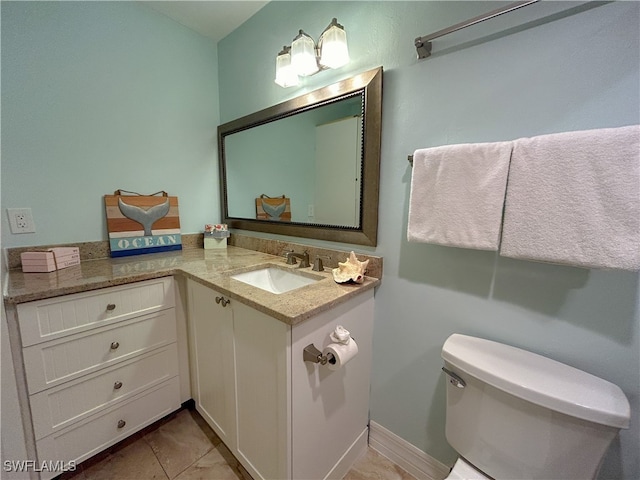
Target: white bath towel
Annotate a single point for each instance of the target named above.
(457, 195)
(574, 198)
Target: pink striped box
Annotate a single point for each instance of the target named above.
(50, 260)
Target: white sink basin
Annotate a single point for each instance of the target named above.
(275, 280)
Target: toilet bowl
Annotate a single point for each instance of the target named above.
(512, 414)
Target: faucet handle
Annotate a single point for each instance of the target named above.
(304, 259)
(291, 259)
(317, 263)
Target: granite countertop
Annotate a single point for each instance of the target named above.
(212, 268)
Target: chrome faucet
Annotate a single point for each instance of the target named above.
(304, 258)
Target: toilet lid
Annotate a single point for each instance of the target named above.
(462, 470)
(539, 380)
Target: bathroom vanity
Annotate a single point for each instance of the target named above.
(99, 366)
(123, 343)
(280, 416)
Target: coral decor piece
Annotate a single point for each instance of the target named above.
(352, 270)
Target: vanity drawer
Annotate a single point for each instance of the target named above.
(52, 363)
(53, 318)
(58, 407)
(88, 437)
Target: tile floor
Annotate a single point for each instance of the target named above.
(183, 447)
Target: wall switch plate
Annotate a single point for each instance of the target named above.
(21, 220)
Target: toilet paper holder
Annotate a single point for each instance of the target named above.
(313, 355)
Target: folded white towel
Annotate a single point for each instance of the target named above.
(574, 198)
(457, 195)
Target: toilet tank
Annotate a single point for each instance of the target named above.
(514, 414)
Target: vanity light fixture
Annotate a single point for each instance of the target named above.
(334, 52)
(303, 55)
(304, 58)
(285, 75)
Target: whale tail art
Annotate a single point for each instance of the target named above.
(274, 212)
(139, 224)
(147, 217)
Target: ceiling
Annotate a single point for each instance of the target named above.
(212, 18)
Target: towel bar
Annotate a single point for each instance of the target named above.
(423, 44)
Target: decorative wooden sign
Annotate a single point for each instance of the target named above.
(140, 224)
(276, 208)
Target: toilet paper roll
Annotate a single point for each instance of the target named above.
(339, 354)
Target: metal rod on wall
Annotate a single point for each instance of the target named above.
(423, 44)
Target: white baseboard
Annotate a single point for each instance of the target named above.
(407, 456)
(355, 451)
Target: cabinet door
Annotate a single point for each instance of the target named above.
(263, 394)
(213, 384)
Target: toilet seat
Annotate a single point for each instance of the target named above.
(462, 470)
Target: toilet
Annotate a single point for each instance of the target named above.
(513, 414)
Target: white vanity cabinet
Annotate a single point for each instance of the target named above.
(99, 366)
(263, 393)
(281, 417)
(211, 359)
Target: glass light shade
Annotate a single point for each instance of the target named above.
(303, 55)
(334, 52)
(285, 75)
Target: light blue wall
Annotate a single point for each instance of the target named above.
(98, 96)
(531, 72)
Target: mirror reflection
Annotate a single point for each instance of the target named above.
(304, 168)
(307, 167)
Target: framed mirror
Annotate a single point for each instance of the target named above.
(308, 167)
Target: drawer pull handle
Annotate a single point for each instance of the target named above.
(222, 300)
(111, 307)
(114, 345)
(117, 385)
(121, 423)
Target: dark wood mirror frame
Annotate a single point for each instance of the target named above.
(369, 86)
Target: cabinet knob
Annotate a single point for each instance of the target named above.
(117, 385)
(111, 307)
(121, 423)
(114, 345)
(223, 300)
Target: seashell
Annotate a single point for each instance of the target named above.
(352, 270)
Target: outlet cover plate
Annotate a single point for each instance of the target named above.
(21, 220)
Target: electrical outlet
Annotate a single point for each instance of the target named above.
(310, 211)
(21, 220)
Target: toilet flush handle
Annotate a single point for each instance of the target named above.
(454, 378)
